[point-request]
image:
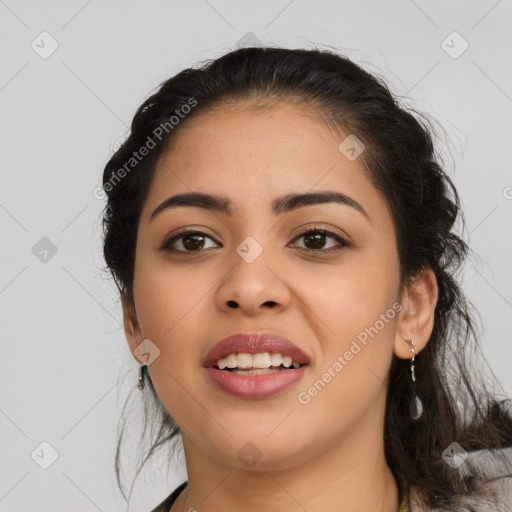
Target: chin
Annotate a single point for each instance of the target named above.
(260, 452)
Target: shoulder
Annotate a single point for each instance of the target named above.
(495, 469)
(166, 505)
(494, 472)
(495, 496)
(501, 492)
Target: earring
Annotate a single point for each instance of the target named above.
(141, 376)
(416, 407)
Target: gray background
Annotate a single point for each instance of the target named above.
(65, 364)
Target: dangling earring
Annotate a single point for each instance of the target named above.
(416, 407)
(141, 376)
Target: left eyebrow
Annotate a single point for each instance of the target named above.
(280, 205)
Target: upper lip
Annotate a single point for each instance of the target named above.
(253, 344)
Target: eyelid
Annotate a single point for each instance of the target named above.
(189, 230)
(327, 229)
(338, 235)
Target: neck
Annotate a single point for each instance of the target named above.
(348, 476)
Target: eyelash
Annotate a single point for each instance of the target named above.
(167, 246)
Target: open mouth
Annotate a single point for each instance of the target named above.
(255, 366)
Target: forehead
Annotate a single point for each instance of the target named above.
(256, 155)
(259, 136)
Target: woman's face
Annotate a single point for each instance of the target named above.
(254, 271)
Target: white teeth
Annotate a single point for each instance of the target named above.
(244, 360)
(231, 361)
(276, 359)
(261, 360)
(287, 361)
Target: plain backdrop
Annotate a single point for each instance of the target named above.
(65, 364)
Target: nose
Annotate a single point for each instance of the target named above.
(253, 288)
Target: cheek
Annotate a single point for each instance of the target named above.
(170, 305)
(356, 337)
(164, 293)
(355, 313)
(351, 297)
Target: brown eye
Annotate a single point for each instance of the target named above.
(315, 239)
(187, 241)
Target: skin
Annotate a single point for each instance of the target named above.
(327, 455)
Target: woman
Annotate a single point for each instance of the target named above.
(281, 235)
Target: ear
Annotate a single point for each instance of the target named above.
(416, 319)
(131, 325)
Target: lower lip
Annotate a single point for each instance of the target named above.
(255, 387)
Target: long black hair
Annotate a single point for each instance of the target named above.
(406, 168)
